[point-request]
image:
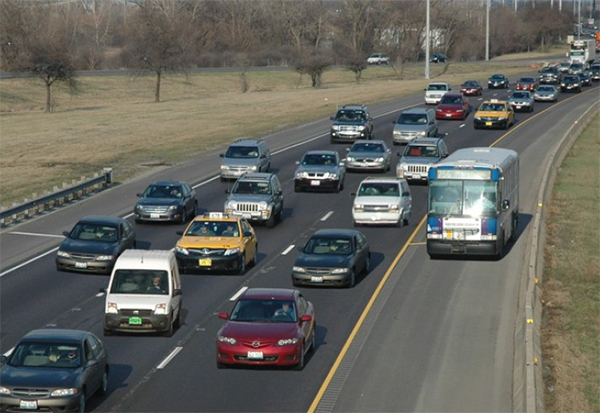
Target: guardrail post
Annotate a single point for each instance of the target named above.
(108, 176)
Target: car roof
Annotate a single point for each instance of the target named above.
(101, 219)
(453, 95)
(269, 293)
(321, 152)
(167, 182)
(368, 141)
(51, 334)
(418, 110)
(246, 141)
(424, 141)
(353, 107)
(335, 232)
(439, 83)
(497, 75)
(256, 176)
(216, 216)
(381, 179)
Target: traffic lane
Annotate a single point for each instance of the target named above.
(462, 353)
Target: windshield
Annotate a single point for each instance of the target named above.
(492, 107)
(328, 246)
(451, 100)
(470, 84)
(94, 232)
(497, 77)
(247, 152)
(367, 147)
(520, 95)
(140, 282)
(46, 355)
(545, 89)
(437, 87)
(350, 115)
(412, 119)
(463, 198)
(267, 310)
(379, 189)
(213, 229)
(248, 187)
(163, 191)
(318, 159)
(421, 150)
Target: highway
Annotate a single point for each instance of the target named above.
(437, 336)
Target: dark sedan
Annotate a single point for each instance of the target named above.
(267, 326)
(166, 201)
(332, 257)
(438, 58)
(570, 83)
(94, 244)
(53, 370)
(320, 170)
(498, 81)
(471, 88)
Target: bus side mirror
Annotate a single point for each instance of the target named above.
(506, 205)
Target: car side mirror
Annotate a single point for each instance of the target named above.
(352, 193)
(102, 290)
(343, 162)
(347, 149)
(305, 318)
(66, 233)
(224, 316)
(228, 191)
(332, 118)
(179, 232)
(91, 363)
(139, 195)
(297, 163)
(263, 156)
(506, 205)
(278, 192)
(247, 233)
(177, 291)
(221, 155)
(3, 359)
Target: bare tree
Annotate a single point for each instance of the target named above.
(160, 37)
(356, 64)
(314, 65)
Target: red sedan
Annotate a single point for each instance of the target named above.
(267, 326)
(452, 106)
(471, 88)
(527, 83)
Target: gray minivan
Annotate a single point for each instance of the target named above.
(245, 155)
(414, 123)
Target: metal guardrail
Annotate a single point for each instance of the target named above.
(47, 202)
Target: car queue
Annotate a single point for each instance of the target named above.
(225, 241)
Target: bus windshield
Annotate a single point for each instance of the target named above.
(463, 198)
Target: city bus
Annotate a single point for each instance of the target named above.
(473, 202)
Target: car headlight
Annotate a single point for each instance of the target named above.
(232, 251)
(139, 207)
(105, 257)
(362, 127)
(422, 133)
(287, 341)
(394, 207)
(4, 390)
(298, 269)
(358, 207)
(63, 254)
(228, 340)
(350, 158)
(161, 309)
(300, 175)
(379, 160)
(460, 111)
(173, 208)
(263, 205)
(224, 167)
(64, 392)
(112, 308)
(182, 250)
(254, 168)
(340, 270)
(335, 127)
(230, 205)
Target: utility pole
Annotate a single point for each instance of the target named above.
(487, 30)
(427, 40)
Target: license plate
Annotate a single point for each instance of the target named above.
(205, 262)
(28, 404)
(154, 216)
(246, 216)
(518, 106)
(135, 321)
(316, 279)
(448, 115)
(416, 176)
(255, 355)
(488, 124)
(81, 265)
(315, 183)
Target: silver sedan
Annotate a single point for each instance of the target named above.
(546, 93)
(369, 155)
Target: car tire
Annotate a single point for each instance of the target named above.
(107, 332)
(254, 256)
(279, 216)
(270, 223)
(183, 217)
(82, 402)
(352, 281)
(313, 339)
(297, 188)
(177, 322)
(295, 283)
(242, 268)
(300, 365)
(169, 331)
(103, 384)
(368, 265)
(221, 366)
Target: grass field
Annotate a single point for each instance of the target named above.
(571, 290)
(114, 122)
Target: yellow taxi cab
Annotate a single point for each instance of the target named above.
(217, 242)
(494, 114)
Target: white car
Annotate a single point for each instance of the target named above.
(384, 200)
(435, 91)
(378, 59)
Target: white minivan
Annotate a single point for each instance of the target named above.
(382, 200)
(144, 293)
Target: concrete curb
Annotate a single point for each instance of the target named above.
(528, 366)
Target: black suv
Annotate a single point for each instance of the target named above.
(256, 197)
(550, 75)
(351, 123)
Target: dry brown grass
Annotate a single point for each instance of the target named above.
(113, 121)
(571, 290)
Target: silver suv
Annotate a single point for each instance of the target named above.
(418, 156)
(382, 200)
(350, 123)
(256, 197)
(414, 123)
(245, 155)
